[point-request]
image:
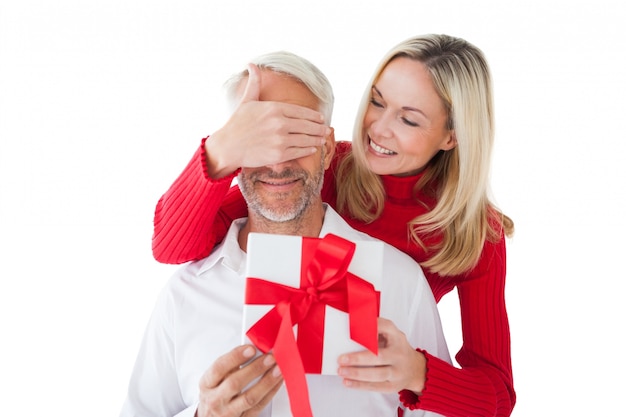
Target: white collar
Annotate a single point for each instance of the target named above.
(234, 258)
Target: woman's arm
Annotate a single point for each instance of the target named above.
(484, 384)
(195, 213)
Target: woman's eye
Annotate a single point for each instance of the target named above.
(375, 103)
(409, 122)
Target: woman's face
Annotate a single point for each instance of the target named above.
(405, 122)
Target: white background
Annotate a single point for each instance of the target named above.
(102, 103)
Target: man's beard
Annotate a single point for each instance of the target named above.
(273, 211)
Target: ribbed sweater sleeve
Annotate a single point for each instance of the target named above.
(484, 384)
(195, 213)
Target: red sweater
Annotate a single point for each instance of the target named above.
(195, 213)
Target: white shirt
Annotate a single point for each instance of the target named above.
(199, 314)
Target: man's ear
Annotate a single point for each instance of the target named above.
(450, 142)
(329, 148)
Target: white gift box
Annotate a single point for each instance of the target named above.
(277, 258)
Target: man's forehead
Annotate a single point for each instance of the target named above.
(283, 88)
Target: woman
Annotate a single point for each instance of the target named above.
(416, 176)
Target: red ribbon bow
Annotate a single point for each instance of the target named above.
(324, 280)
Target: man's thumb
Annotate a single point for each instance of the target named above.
(253, 86)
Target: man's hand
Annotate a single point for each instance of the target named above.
(261, 133)
(225, 388)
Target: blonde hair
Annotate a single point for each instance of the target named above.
(463, 215)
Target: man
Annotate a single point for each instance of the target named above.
(190, 362)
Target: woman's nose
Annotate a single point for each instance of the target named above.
(381, 125)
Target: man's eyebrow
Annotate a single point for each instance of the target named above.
(405, 108)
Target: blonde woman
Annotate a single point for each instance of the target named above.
(414, 175)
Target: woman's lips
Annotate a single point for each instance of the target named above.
(380, 150)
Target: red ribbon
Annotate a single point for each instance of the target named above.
(324, 280)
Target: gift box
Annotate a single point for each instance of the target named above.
(309, 300)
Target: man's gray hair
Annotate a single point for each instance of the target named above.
(296, 67)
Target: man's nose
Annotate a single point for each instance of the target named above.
(280, 167)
